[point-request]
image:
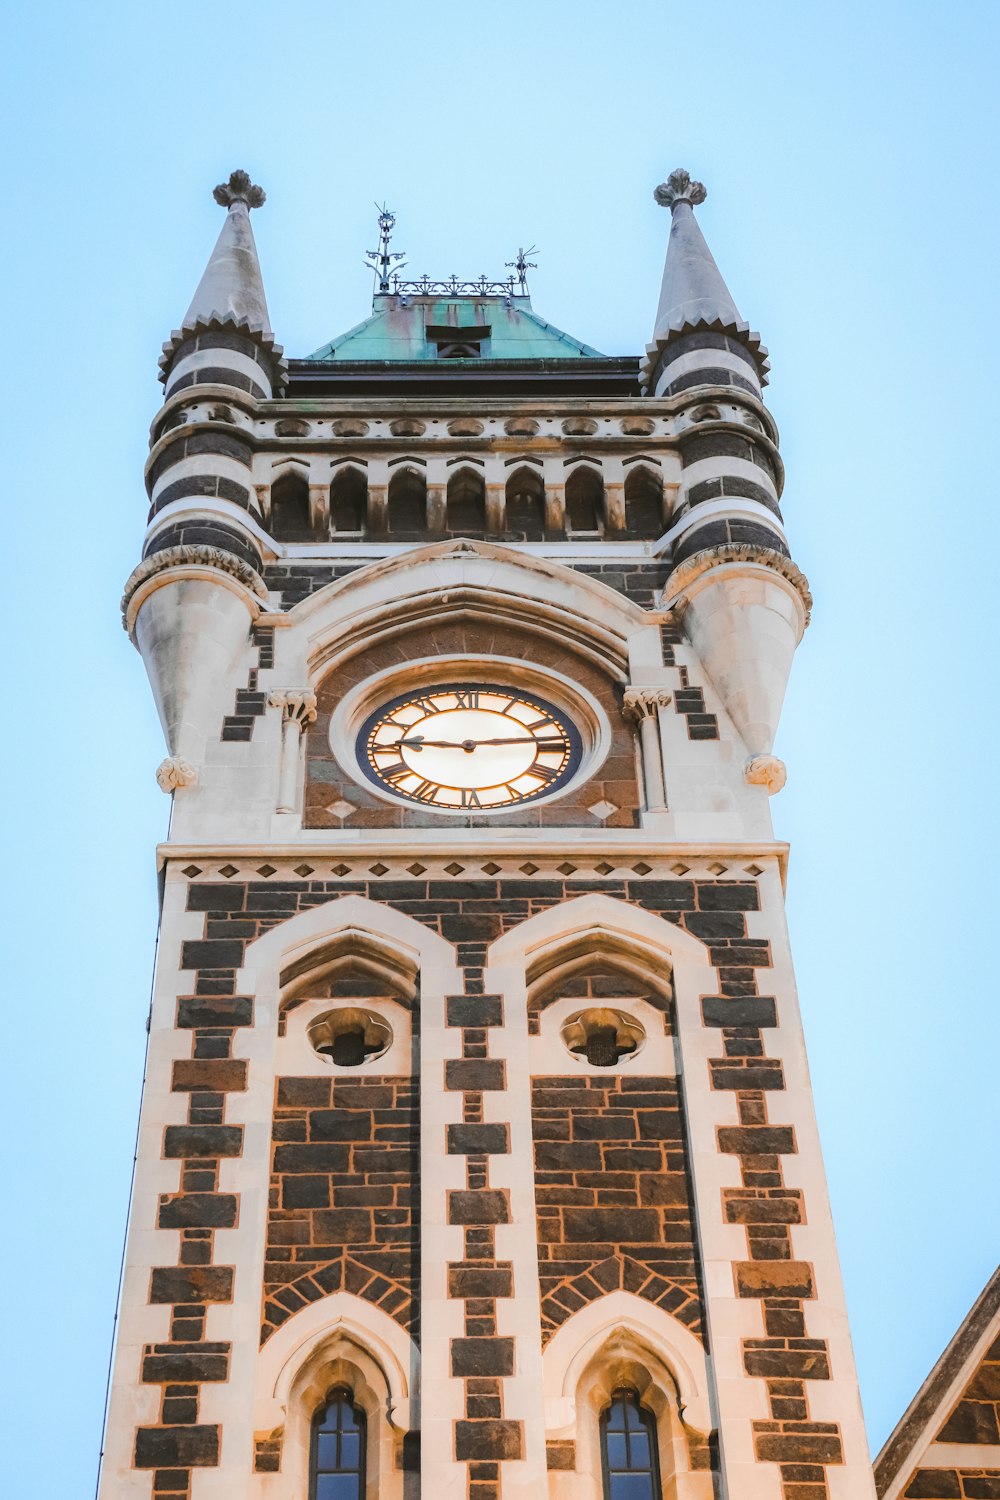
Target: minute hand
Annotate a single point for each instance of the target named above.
(468, 745)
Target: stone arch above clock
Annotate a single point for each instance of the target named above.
(338, 794)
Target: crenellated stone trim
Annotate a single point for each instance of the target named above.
(737, 552)
(650, 363)
(227, 323)
(203, 557)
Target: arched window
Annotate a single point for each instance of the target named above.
(526, 506)
(584, 501)
(348, 499)
(466, 503)
(407, 504)
(643, 503)
(290, 520)
(629, 1462)
(337, 1455)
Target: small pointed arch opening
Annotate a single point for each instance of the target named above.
(348, 501)
(290, 517)
(466, 512)
(526, 505)
(338, 1448)
(643, 501)
(584, 501)
(408, 504)
(630, 1465)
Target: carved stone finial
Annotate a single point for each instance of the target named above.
(239, 189)
(766, 770)
(679, 188)
(174, 772)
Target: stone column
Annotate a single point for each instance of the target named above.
(555, 496)
(298, 708)
(614, 495)
(642, 706)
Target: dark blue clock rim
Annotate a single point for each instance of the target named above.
(542, 704)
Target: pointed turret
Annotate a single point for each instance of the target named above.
(741, 600)
(190, 603)
(228, 314)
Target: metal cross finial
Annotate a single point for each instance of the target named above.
(239, 189)
(380, 261)
(522, 265)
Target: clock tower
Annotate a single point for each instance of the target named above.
(477, 1155)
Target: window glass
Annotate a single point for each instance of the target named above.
(337, 1460)
(628, 1450)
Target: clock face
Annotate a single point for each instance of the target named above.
(465, 746)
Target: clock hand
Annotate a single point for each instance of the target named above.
(419, 743)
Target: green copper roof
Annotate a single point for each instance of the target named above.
(410, 328)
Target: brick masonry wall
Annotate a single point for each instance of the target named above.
(471, 913)
(345, 1194)
(613, 1196)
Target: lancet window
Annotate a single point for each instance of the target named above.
(629, 1461)
(337, 1456)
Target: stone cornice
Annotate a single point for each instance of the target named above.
(190, 556)
(737, 552)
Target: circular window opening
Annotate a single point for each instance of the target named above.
(603, 1037)
(348, 1038)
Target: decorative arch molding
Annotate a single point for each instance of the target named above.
(574, 926)
(340, 1341)
(452, 581)
(323, 1331)
(388, 964)
(628, 1324)
(295, 950)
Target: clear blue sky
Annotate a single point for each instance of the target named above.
(849, 152)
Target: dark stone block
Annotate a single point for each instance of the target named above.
(556, 1156)
(297, 1093)
(799, 1447)
(474, 1074)
(756, 1140)
(934, 1484)
(223, 1010)
(305, 1192)
(176, 1447)
(786, 1364)
(184, 1367)
(560, 1455)
(487, 1356)
(697, 445)
(971, 1422)
(486, 1439)
(604, 1127)
(466, 1140)
(750, 1010)
(614, 1226)
(340, 1125)
(209, 1074)
(469, 1280)
(475, 1010)
(191, 1284)
(478, 1206)
(342, 1226)
(217, 954)
(763, 1076)
(312, 1158)
(774, 1278)
(197, 1211)
(787, 1210)
(660, 1125)
(202, 1140)
(215, 897)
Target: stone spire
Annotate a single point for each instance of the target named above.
(694, 297)
(230, 296)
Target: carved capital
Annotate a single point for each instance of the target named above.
(174, 773)
(298, 705)
(239, 189)
(679, 188)
(642, 702)
(766, 770)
